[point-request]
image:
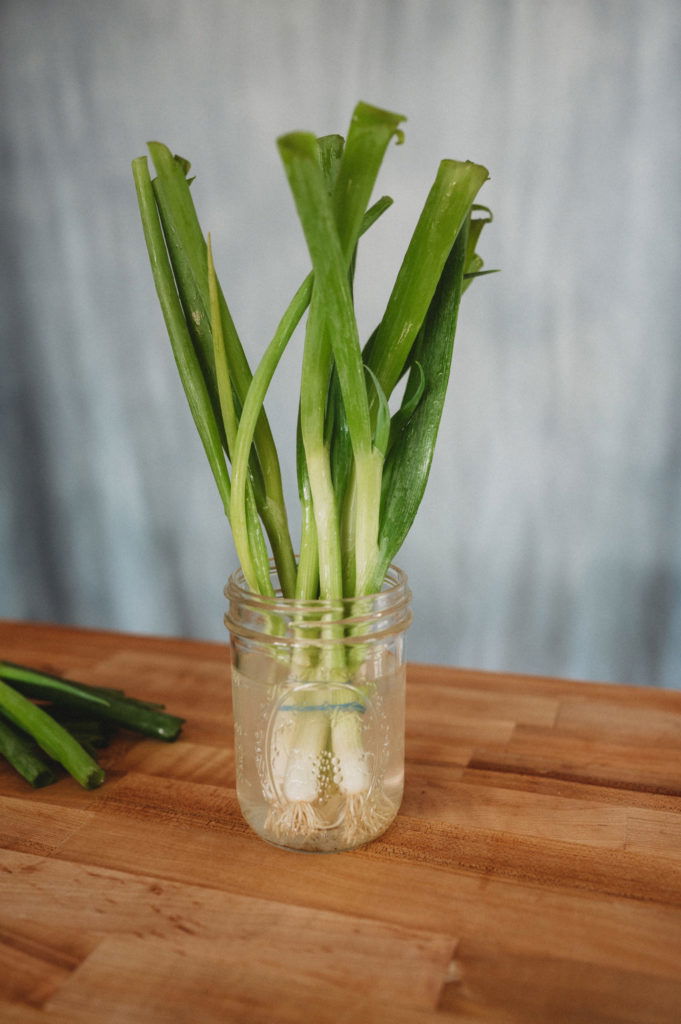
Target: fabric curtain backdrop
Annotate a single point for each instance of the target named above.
(549, 540)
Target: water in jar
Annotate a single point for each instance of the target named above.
(319, 764)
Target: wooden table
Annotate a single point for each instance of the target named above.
(533, 874)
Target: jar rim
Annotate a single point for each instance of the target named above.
(370, 618)
(237, 589)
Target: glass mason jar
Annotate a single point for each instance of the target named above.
(318, 695)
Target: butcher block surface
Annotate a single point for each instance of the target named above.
(533, 873)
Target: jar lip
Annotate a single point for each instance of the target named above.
(394, 584)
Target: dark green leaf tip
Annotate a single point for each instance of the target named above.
(369, 112)
(183, 162)
(299, 144)
(478, 207)
(159, 147)
(480, 273)
(465, 166)
(382, 428)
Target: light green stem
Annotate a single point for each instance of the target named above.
(250, 414)
(260, 581)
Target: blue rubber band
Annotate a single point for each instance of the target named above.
(352, 705)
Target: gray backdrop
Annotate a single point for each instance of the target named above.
(550, 537)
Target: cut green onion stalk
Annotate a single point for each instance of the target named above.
(362, 468)
(24, 756)
(77, 722)
(50, 736)
(97, 702)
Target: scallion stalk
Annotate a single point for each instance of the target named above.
(93, 701)
(22, 753)
(51, 737)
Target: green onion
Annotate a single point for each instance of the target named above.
(93, 701)
(415, 432)
(92, 734)
(189, 368)
(362, 469)
(22, 753)
(51, 737)
(188, 255)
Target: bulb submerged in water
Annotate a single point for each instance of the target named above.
(329, 774)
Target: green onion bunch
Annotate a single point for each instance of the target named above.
(362, 466)
(48, 723)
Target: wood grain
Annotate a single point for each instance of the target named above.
(532, 875)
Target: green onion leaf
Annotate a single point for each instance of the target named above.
(382, 426)
(187, 248)
(416, 385)
(410, 456)
(257, 563)
(186, 359)
(446, 208)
